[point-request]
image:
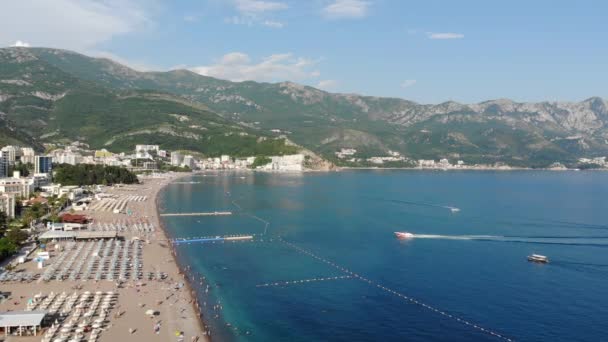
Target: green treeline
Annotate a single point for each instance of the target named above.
(87, 174)
(11, 238)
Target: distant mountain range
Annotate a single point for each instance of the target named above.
(49, 95)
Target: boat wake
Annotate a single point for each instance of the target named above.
(457, 237)
(421, 204)
(600, 241)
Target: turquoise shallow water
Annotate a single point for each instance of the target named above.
(471, 265)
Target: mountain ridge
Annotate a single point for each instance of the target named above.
(488, 131)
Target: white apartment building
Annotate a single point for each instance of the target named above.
(294, 162)
(11, 153)
(147, 148)
(189, 161)
(67, 158)
(7, 205)
(3, 166)
(176, 158)
(17, 186)
(27, 155)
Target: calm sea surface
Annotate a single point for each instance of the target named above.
(468, 265)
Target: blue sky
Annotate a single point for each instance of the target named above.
(426, 51)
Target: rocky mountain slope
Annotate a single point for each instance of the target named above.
(525, 134)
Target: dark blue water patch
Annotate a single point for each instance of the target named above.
(338, 216)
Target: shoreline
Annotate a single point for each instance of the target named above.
(187, 281)
(341, 168)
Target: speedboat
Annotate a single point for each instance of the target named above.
(538, 258)
(404, 235)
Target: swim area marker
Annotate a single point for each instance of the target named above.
(303, 281)
(398, 294)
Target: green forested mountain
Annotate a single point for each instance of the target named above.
(108, 104)
(41, 103)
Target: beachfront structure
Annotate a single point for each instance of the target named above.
(21, 321)
(43, 164)
(150, 165)
(72, 192)
(77, 235)
(7, 205)
(176, 158)
(68, 227)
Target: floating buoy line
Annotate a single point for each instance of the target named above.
(303, 281)
(398, 294)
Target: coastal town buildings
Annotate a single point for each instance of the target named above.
(103, 153)
(293, 162)
(146, 151)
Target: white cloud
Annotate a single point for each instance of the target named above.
(407, 83)
(445, 35)
(340, 9)
(327, 84)
(190, 18)
(273, 24)
(70, 24)
(238, 66)
(252, 12)
(238, 20)
(248, 7)
(19, 43)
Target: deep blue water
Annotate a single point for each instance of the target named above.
(349, 218)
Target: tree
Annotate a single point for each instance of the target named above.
(86, 174)
(260, 161)
(3, 221)
(24, 169)
(7, 248)
(16, 235)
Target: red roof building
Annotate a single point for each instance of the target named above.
(71, 218)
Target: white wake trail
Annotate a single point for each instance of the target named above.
(458, 237)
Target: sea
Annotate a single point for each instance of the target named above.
(324, 264)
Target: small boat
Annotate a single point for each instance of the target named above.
(454, 210)
(404, 235)
(538, 258)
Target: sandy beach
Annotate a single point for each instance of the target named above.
(171, 297)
